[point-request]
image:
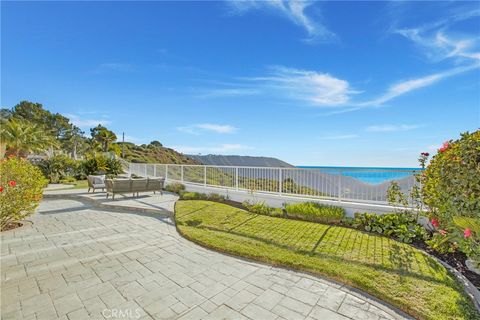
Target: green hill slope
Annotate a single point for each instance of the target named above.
(153, 153)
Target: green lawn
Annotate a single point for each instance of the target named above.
(392, 271)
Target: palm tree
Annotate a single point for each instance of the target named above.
(107, 137)
(20, 137)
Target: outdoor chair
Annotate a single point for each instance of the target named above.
(96, 182)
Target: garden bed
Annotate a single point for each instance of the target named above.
(456, 260)
(11, 226)
(395, 272)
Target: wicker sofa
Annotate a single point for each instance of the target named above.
(134, 186)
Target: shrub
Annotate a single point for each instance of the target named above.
(99, 164)
(175, 187)
(21, 187)
(452, 179)
(202, 196)
(58, 168)
(451, 189)
(401, 226)
(262, 208)
(316, 212)
(216, 197)
(192, 196)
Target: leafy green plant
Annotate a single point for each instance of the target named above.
(442, 242)
(174, 187)
(21, 188)
(216, 197)
(99, 164)
(59, 167)
(262, 208)
(401, 226)
(316, 212)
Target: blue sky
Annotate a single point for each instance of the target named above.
(312, 83)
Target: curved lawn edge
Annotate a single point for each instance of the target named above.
(298, 262)
(380, 303)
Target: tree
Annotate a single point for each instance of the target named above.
(156, 143)
(69, 136)
(102, 137)
(20, 137)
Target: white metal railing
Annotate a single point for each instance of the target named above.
(343, 184)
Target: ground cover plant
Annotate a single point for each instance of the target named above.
(401, 226)
(388, 269)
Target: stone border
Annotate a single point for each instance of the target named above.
(469, 288)
(97, 204)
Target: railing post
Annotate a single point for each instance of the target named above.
(181, 172)
(166, 172)
(205, 176)
(236, 178)
(145, 170)
(340, 185)
(280, 181)
(154, 170)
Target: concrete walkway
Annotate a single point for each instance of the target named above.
(79, 261)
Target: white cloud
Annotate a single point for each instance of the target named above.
(217, 128)
(86, 123)
(221, 149)
(404, 87)
(392, 127)
(439, 42)
(294, 10)
(319, 89)
(340, 137)
(229, 92)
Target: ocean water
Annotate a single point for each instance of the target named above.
(371, 175)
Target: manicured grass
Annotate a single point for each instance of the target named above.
(392, 271)
(79, 184)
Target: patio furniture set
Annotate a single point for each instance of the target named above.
(125, 185)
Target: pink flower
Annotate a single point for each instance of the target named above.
(435, 223)
(12, 183)
(444, 147)
(443, 232)
(467, 233)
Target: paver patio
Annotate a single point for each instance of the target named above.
(79, 261)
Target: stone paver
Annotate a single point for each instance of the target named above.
(81, 261)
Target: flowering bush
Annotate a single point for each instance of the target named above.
(452, 179)
(21, 186)
(451, 190)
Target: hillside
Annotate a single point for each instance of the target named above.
(153, 153)
(246, 161)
